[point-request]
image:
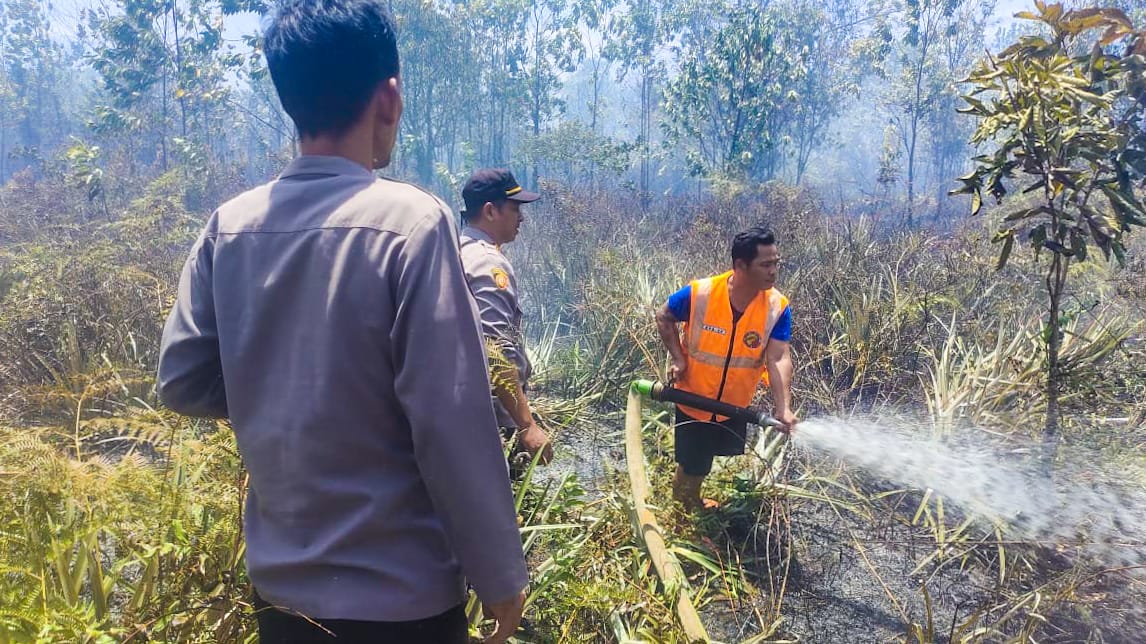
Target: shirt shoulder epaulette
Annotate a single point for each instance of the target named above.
(485, 252)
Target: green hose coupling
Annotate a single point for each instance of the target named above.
(644, 387)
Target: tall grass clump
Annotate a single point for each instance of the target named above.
(121, 521)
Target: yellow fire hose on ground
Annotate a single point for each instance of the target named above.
(648, 533)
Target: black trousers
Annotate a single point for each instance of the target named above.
(698, 441)
(280, 627)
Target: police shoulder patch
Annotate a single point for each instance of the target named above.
(500, 278)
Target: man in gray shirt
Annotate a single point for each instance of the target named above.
(326, 314)
(493, 217)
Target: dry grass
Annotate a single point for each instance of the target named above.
(102, 491)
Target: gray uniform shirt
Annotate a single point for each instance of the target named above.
(327, 315)
(494, 286)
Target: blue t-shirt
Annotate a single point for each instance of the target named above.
(680, 303)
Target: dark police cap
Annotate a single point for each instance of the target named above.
(493, 184)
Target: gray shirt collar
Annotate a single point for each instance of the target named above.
(474, 232)
(326, 165)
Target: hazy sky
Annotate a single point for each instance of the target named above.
(246, 23)
(67, 13)
(1007, 8)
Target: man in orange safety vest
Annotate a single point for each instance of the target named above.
(736, 333)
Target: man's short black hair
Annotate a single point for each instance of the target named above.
(327, 58)
(746, 244)
(471, 212)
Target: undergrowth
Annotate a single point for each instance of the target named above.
(121, 521)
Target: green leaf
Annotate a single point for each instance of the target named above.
(1019, 215)
(1035, 186)
(975, 106)
(178, 532)
(1038, 236)
(1127, 208)
(1119, 252)
(1005, 253)
(1078, 244)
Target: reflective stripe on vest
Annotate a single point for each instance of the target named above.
(727, 359)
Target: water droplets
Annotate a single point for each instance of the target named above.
(1081, 502)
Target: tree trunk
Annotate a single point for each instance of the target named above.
(916, 108)
(179, 69)
(163, 99)
(594, 108)
(537, 100)
(1055, 281)
(646, 118)
(3, 145)
(38, 141)
(424, 154)
(809, 131)
(911, 172)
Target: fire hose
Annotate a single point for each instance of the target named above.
(645, 524)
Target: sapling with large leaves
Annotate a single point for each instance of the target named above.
(1064, 112)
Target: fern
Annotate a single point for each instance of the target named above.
(83, 534)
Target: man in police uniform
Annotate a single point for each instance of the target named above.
(736, 332)
(493, 217)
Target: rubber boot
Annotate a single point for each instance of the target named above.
(686, 490)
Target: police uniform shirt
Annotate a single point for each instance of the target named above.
(494, 287)
(327, 315)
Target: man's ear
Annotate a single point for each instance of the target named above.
(388, 99)
(487, 210)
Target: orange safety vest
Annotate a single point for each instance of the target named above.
(726, 358)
